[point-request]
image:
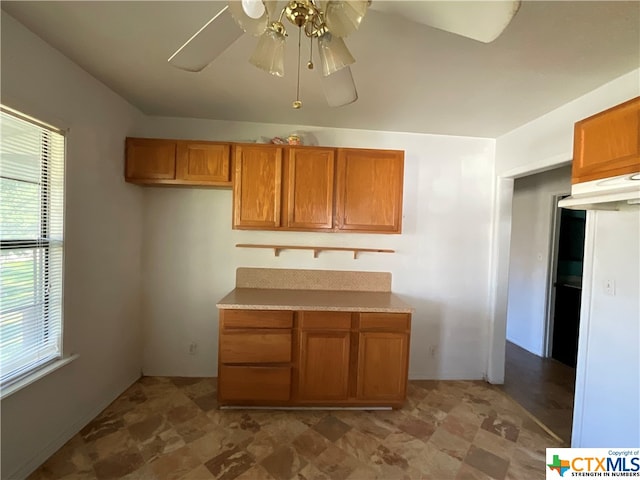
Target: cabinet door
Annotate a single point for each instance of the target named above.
(204, 163)
(608, 143)
(257, 186)
(324, 365)
(369, 190)
(382, 366)
(309, 187)
(150, 159)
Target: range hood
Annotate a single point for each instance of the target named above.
(611, 193)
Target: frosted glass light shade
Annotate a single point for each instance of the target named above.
(339, 88)
(269, 53)
(343, 17)
(334, 54)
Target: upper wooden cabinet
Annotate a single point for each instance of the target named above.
(302, 188)
(149, 159)
(309, 182)
(369, 190)
(177, 162)
(278, 189)
(282, 187)
(204, 162)
(257, 186)
(608, 143)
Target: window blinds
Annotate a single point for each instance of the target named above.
(31, 240)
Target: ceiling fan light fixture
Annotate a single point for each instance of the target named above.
(243, 13)
(344, 17)
(334, 54)
(269, 53)
(325, 21)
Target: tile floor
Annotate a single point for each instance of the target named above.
(544, 386)
(171, 429)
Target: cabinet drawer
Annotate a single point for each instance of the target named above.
(256, 319)
(254, 383)
(325, 320)
(255, 347)
(385, 321)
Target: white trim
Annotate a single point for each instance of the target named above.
(584, 328)
(32, 120)
(550, 163)
(499, 274)
(36, 375)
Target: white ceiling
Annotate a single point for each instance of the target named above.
(410, 77)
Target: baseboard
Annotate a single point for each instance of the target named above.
(67, 434)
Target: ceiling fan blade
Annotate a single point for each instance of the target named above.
(479, 20)
(207, 43)
(339, 88)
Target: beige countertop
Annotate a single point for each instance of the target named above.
(326, 300)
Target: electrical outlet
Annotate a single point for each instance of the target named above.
(193, 348)
(610, 287)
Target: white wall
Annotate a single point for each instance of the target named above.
(608, 371)
(540, 145)
(550, 136)
(102, 251)
(441, 264)
(608, 342)
(529, 266)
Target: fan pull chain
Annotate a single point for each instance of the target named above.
(310, 62)
(298, 103)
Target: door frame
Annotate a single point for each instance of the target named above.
(500, 253)
(554, 245)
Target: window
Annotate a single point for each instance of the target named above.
(31, 241)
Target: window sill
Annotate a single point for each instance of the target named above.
(37, 375)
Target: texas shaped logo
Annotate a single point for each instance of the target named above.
(560, 466)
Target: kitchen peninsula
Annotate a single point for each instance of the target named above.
(313, 338)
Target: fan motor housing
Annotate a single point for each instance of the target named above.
(299, 12)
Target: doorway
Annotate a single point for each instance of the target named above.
(541, 264)
(566, 286)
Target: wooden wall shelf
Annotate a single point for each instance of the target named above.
(316, 250)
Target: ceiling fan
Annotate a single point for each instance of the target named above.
(328, 22)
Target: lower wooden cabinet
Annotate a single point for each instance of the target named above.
(382, 366)
(254, 357)
(313, 358)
